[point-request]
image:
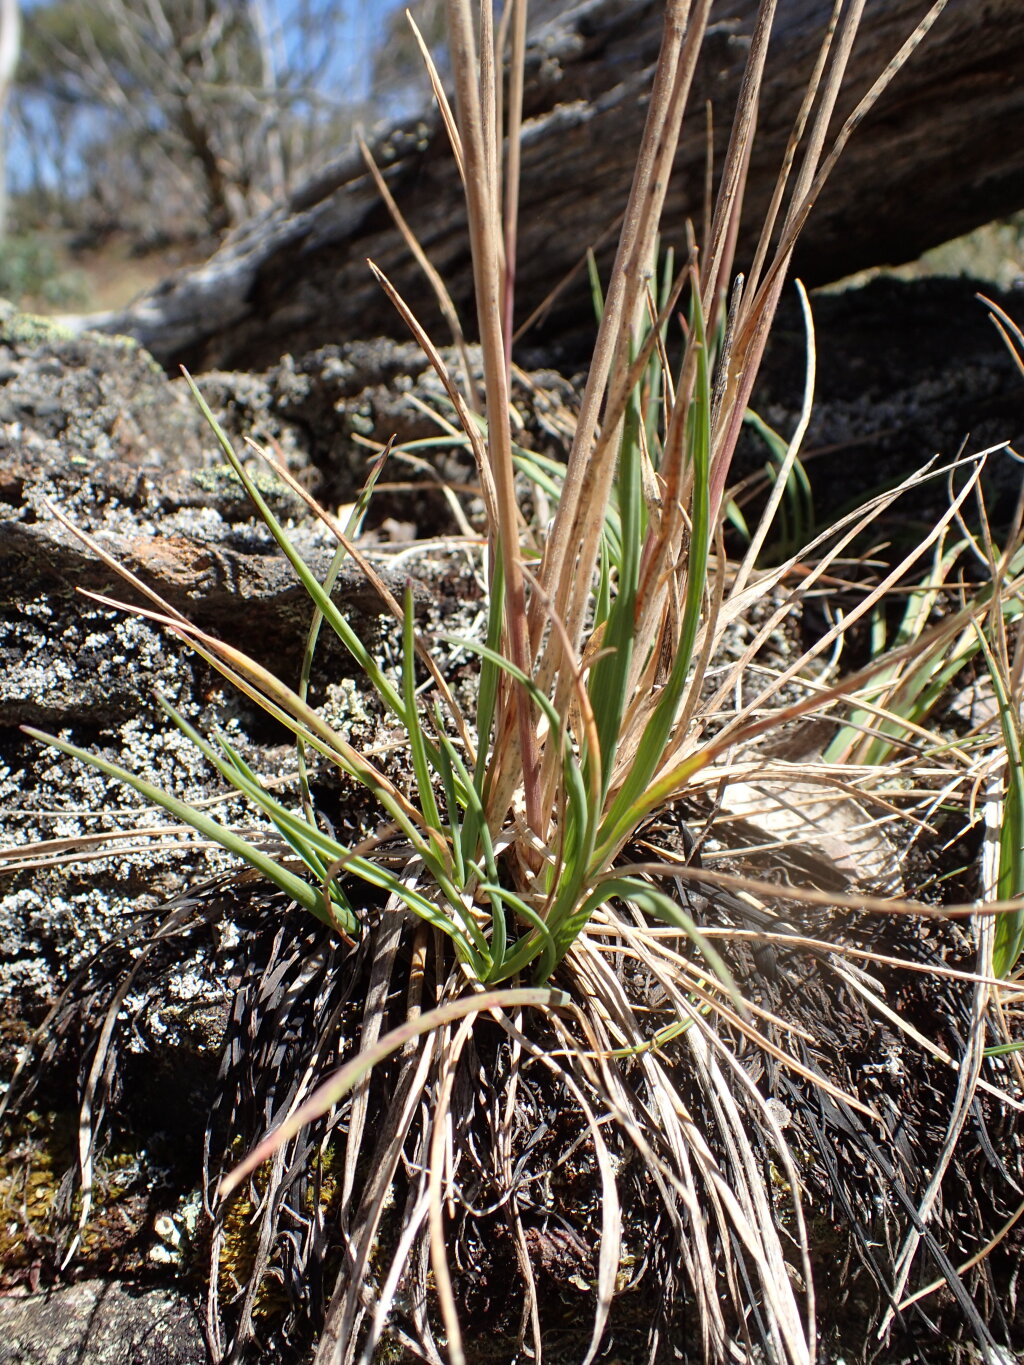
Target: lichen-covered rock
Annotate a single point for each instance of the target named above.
(104, 1323)
(92, 427)
(103, 398)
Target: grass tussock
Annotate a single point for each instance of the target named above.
(578, 1012)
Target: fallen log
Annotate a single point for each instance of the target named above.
(939, 155)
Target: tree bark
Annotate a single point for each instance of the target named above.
(941, 154)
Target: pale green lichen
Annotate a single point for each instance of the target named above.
(33, 330)
(30, 329)
(221, 478)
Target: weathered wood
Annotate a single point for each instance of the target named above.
(941, 154)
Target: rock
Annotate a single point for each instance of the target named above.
(906, 370)
(104, 1323)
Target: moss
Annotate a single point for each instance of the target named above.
(33, 1164)
(238, 1251)
(121, 1234)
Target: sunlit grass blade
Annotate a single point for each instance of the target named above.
(352, 527)
(1009, 930)
(570, 869)
(488, 685)
(909, 689)
(469, 829)
(384, 688)
(284, 705)
(321, 853)
(417, 744)
(233, 768)
(270, 867)
(796, 508)
(659, 906)
(651, 750)
(609, 677)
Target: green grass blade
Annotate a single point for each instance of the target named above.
(659, 906)
(651, 749)
(294, 886)
(538, 942)
(1009, 930)
(352, 528)
(390, 696)
(473, 834)
(446, 772)
(417, 743)
(581, 815)
(596, 290)
(490, 674)
(608, 686)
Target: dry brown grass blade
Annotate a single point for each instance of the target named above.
(684, 985)
(440, 1118)
(437, 284)
(455, 396)
(971, 1261)
(411, 1229)
(576, 1067)
(507, 763)
(530, 1314)
(741, 729)
(737, 1198)
(437, 86)
(474, 102)
(611, 1226)
(262, 687)
(785, 469)
(1011, 334)
(515, 15)
(89, 848)
(803, 202)
(809, 895)
(557, 290)
(115, 564)
(349, 1305)
(572, 546)
(720, 245)
(385, 949)
(793, 1337)
(744, 360)
(629, 379)
(795, 138)
(837, 538)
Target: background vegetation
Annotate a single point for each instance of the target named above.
(139, 132)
